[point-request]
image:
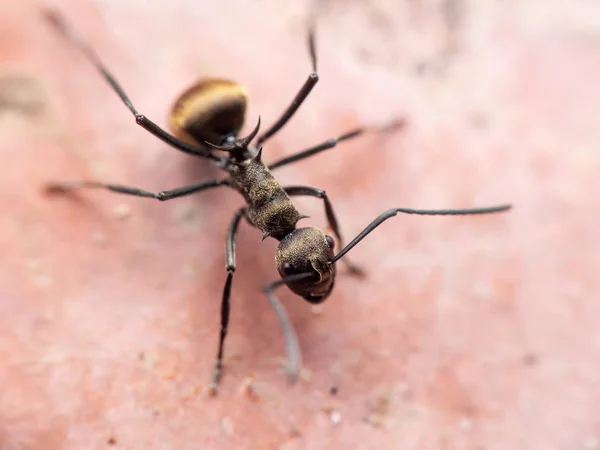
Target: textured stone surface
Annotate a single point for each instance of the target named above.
(470, 333)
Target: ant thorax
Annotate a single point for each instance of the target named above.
(269, 207)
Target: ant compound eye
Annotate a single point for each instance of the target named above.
(287, 268)
(330, 241)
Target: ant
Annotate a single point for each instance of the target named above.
(206, 119)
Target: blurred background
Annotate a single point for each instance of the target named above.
(468, 333)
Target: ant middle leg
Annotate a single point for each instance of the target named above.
(162, 196)
(225, 303)
(331, 219)
(331, 143)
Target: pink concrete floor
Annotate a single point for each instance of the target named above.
(469, 333)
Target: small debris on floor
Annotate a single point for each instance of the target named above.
(192, 393)
(249, 389)
(466, 424)
(227, 425)
(169, 375)
(122, 211)
(306, 376)
(378, 410)
(336, 418)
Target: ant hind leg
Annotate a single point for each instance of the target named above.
(225, 304)
(58, 22)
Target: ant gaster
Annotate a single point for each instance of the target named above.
(205, 120)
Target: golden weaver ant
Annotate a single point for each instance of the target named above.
(206, 118)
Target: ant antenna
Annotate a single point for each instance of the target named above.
(292, 348)
(425, 212)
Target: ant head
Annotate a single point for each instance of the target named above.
(212, 110)
(307, 250)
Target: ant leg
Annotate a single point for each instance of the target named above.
(58, 22)
(425, 212)
(331, 143)
(292, 348)
(331, 219)
(308, 85)
(225, 304)
(162, 196)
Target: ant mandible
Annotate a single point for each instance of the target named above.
(208, 117)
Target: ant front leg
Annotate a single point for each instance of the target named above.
(162, 196)
(308, 86)
(225, 303)
(331, 219)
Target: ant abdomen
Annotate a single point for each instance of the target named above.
(211, 110)
(307, 250)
